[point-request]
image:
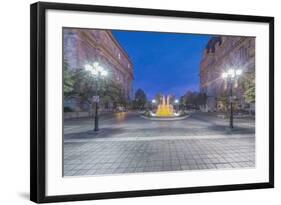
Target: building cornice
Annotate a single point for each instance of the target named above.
(119, 46)
(92, 41)
(212, 64)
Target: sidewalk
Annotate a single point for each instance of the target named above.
(107, 156)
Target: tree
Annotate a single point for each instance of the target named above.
(140, 99)
(193, 99)
(112, 91)
(84, 85)
(249, 87)
(68, 80)
(223, 99)
(158, 97)
(190, 99)
(182, 103)
(201, 99)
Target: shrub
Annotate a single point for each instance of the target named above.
(147, 113)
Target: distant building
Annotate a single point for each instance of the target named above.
(222, 53)
(84, 46)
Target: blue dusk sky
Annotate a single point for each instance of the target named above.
(165, 63)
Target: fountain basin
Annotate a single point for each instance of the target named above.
(169, 118)
(165, 112)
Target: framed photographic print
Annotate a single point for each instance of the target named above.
(129, 102)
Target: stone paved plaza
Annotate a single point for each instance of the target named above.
(128, 143)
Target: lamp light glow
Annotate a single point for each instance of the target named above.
(94, 72)
(99, 69)
(231, 73)
(95, 64)
(224, 75)
(238, 72)
(104, 73)
(88, 67)
(96, 69)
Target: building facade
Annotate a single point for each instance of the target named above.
(221, 54)
(85, 46)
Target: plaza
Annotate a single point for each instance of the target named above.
(128, 143)
(126, 110)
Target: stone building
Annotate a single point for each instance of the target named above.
(221, 54)
(84, 46)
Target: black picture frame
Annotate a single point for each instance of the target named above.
(38, 101)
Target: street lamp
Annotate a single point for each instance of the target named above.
(177, 103)
(98, 72)
(230, 76)
(153, 104)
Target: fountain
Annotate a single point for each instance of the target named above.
(165, 109)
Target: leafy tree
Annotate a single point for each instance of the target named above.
(68, 80)
(158, 97)
(182, 102)
(112, 91)
(84, 85)
(193, 99)
(140, 99)
(201, 99)
(249, 87)
(148, 105)
(190, 98)
(223, 99)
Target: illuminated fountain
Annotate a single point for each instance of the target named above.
(165, 109)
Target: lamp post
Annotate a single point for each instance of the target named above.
(177, 104)
(153, 104)
(98, 72)
(230, 76)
